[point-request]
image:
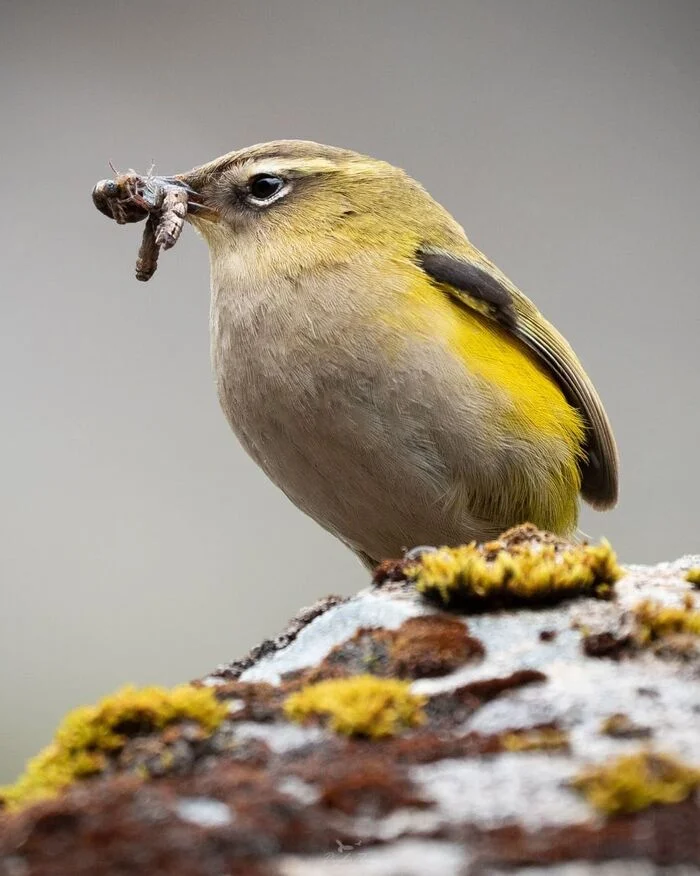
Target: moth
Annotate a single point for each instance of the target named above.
(162, 201)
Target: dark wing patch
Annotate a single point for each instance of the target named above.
(474, 285)
(473, 280)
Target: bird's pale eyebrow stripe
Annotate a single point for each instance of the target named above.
(284, 166)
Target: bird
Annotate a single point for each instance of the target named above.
(383, 373)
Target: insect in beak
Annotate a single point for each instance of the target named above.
(165, 202)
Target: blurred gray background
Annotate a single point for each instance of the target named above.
(137, 541)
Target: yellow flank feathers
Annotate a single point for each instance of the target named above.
(636, 781)
(88, 735)
(537, 404)
(490, 575)
(363, 705)
(526, 407)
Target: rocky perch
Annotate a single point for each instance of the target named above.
(524, 706)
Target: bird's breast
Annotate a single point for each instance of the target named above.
(280, 343)
(291, 360)
(364, 415)
(318, 391)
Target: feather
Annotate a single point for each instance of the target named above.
(476, 283)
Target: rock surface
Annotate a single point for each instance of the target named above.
(517, 705)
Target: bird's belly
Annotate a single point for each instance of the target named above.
(352, 438)
(361, 485)
(387, 440)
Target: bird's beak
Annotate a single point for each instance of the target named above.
(197, 205)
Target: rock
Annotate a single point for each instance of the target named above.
(550, 729)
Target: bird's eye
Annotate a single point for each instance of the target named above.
(264, 186)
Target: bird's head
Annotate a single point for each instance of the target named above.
(298, 203)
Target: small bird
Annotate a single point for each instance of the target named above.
(379, 368)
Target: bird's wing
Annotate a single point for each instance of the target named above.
(478, 284)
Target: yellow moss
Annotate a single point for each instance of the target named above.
(89, 733)
(655, 620)
(363, 705)
(542, 739)
(637, 781)
(693, 576)
(521, 573)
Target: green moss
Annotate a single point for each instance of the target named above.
(89, 734)
(521, 573)
(363, 705)
(637, 781)
(655, 620)
(693, 576)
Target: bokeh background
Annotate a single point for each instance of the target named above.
(137, 541)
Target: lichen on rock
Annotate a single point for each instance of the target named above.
(550, 738)
(693, 576)
(359, 706)
(509, 572)
(395, 732)
(90, 735)
(636, 781)
(656, 621)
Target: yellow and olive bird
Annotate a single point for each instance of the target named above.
(379, 368)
